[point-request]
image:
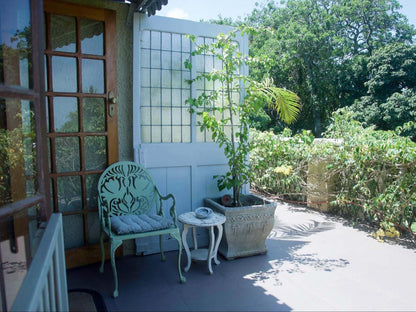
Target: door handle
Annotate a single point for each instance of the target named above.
(112, 102)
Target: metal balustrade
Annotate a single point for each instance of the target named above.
(44, 287)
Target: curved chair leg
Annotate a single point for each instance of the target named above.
(161, 248)
(113, 246)
(177, 236)
(102, 251)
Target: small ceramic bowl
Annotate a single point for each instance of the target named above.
(203, 212)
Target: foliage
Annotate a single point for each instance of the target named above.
(390, 100)
(221, 109)
(279, 162)
(321, 49)
(375, 171)
(17, 156)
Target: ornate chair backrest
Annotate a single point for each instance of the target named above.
(125, 188)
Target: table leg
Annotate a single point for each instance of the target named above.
(211, 248)
(194, 235)
(185, 245)
(217, 243)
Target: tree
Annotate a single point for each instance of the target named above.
(321, 49)
(391, 99)
(366, 25)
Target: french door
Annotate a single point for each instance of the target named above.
(82, 118)
(167, 140)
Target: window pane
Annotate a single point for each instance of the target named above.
(63, 33)
(145, 40)
(145, 115)
(156, 134)
(95, 152)
(93, 76)
(64, 74)
(166, 79)
(145, 77)
(167, 97)
(145, 134)
(166, 134)
(176, 60)
(93, 114)
(166, 41)
(69, 194)
(155, 40)
(155, 59)
(166, 60)
(176, 78)
(156, 116)
(73, 231)
(176, 134)
(155, 77)
(176, 116)
(176, 42)
(16, 44)
(145, 58)
(92, 37)
(186, 134)
(166, 116)
(93, 228)
(67, 154)
(65, 112)
(18, 173)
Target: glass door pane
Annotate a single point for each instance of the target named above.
(18, 174)
(16, 43)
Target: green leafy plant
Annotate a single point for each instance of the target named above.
(226, 116)
(279, 163)
(374, 171)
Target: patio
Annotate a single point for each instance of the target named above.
(315, 262)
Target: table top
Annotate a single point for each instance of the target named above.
(191, 219)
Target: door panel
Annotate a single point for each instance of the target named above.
(167, 140)
(81, 73)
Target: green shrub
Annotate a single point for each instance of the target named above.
(279, 163)
(375, 170)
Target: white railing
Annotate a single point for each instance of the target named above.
(44, 287)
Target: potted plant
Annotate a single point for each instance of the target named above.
(249, 218)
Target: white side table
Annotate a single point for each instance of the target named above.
(189, 220)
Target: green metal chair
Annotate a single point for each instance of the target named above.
(130, 206)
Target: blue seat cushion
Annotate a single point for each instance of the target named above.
(129, 224)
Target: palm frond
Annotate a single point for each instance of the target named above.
(286, 103)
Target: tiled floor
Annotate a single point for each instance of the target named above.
(314, 262)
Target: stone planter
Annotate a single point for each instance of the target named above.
(246, 228)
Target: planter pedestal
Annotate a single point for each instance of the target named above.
(245, 229)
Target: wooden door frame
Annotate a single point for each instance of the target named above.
(91, 253)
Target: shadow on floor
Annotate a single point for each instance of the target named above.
(148, 284)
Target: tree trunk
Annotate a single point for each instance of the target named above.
(315, 106)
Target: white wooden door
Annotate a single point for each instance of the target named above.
(167, 141)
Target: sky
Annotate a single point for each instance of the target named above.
(196, 10)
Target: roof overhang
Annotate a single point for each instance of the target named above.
(145, 6)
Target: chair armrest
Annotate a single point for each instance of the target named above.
(105, 220)
(172, 210)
